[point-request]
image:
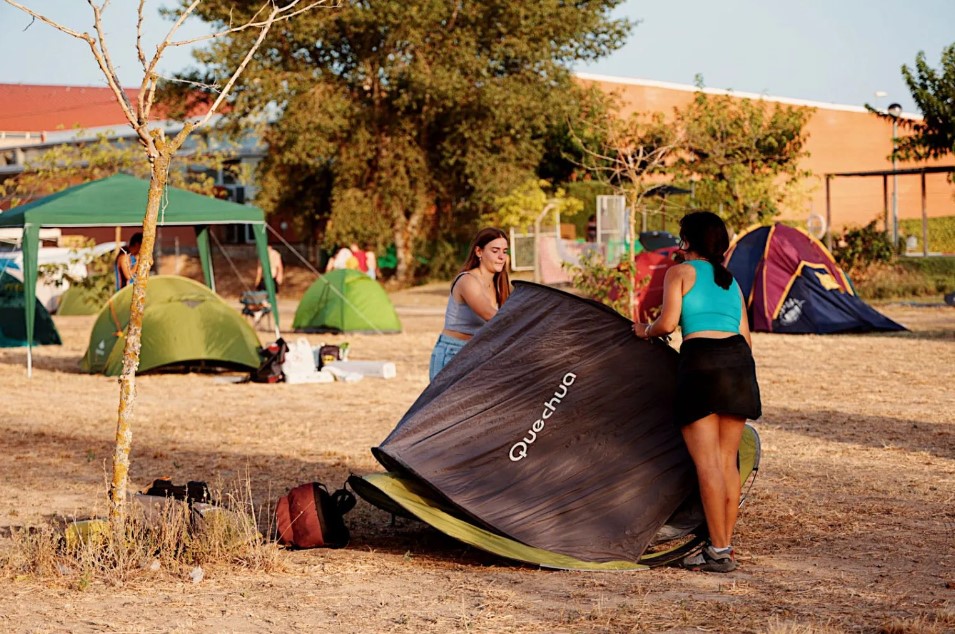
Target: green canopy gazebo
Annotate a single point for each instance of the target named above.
(120, 201)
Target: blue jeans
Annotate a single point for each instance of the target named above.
(444, 351)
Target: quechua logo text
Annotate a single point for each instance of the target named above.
(519, 449)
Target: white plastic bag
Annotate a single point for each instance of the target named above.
(299, 366)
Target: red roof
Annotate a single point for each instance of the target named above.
(30, 108)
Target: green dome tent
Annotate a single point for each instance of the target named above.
(346, 301)
(184, 323)
(77, 300)
(13, 322)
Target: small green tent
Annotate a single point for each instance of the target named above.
(77, 300)
(346, 301)
(13, 332)
(120, 201)
(185, 323)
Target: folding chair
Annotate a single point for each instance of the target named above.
(255, 304)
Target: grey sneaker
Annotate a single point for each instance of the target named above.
(709, 560)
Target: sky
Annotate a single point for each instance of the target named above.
(833, 51)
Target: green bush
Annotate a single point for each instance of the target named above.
(941, 233)
(860, 248)
(606, 284)
(586, 192)
(906, 278)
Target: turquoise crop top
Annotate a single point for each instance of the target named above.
(459, 317)
(709, 307)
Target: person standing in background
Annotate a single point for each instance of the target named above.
(371, 261)
(278, 271)
(124, 268)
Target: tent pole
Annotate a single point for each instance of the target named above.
(262, 248)
(205, 256)
(31, 245)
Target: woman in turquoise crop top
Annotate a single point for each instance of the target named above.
(716, 376)
(477, 293)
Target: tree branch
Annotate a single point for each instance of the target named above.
(46, 20)
(278, 14)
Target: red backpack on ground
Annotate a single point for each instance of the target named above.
(309, 516)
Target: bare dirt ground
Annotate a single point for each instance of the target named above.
(850, 526)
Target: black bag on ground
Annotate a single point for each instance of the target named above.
(270, 370)
(192, 491)
(309, 516)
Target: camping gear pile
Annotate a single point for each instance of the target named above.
(562, 452)
(300, 362)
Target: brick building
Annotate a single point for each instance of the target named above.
(840, 139)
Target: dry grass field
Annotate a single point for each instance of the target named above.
(850, 527)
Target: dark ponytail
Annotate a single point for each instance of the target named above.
(705, 235)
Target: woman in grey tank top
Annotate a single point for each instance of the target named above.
(477, 293)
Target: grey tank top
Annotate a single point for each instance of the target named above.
(459, 317)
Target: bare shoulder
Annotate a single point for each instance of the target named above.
(682, 270)
(464, 283)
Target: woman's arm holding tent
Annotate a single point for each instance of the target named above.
(669, 319)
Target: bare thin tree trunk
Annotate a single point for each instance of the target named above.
(127, 380)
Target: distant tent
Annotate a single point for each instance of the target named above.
(13, 316)
(651, 270)
(79, 301)
(792, 284)
(548, 439)
(184, 324)
(344, 300)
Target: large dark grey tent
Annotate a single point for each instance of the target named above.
(549, 438)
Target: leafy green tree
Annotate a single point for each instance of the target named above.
(743, 156)
(934, 94)
(520, 208)
(407, 112)
(631, 156)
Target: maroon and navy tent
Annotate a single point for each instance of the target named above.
(792, 284)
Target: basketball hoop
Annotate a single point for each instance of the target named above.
(816, 226)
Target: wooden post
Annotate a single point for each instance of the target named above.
(924, 220)
(828, 213)
(885, 203)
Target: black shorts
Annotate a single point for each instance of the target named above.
(716, 376)
(261, 286)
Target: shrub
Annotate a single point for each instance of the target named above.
(862, 247)
(610, 285)
(903, 279)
